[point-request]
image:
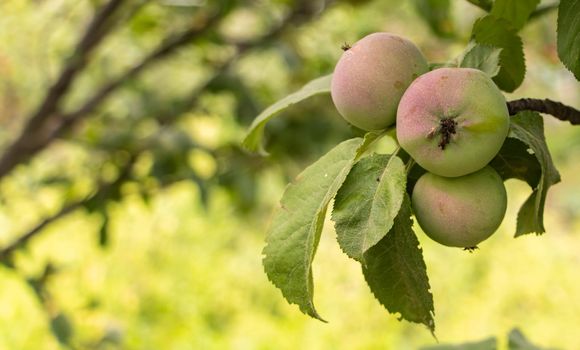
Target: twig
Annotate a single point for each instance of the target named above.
(7, 252)
(556, 109)
(94, 33)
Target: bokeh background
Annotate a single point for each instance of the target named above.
(167, 253)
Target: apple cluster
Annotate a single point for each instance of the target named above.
(451, 121)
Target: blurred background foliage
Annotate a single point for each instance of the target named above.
(146, 220)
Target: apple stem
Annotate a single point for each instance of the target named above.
(409, 166)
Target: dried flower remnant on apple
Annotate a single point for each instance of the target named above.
(452, 121)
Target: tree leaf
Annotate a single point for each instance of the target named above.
(437, 15)
(515, 161)
(295, 230)
(516, 12)
(366, 205)
(497, 32)
(569, 35)
(62, 328)
(517, 341)
(104, 230)
(482, 57)
(396, 273)
(486, 344)
(253, 140)
(528, 127)
(482, 4)
(437, 65)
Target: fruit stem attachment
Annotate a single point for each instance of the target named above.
(369, 139)
(409, 166)
(396, 151)
(345, 47)
(446, 128)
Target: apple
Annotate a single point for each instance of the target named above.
(460, 211)
(371, 76)
(452, 121)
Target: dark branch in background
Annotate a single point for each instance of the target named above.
(7, 252)
(69, 120)
(35, 129)
(38, 136)
(95, 32)
(298, 15)
(556, 109)
(169, 46)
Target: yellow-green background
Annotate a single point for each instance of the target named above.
(178, 276)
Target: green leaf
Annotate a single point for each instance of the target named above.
(366, 205)
(62, 329)
(104, 230)
(482, 57)
(396, 273)
(482, 4)
(569, 35)
(253, 140)
(516, 12)
(516, 161)
(528, 127)
(517, 341)
(297, 224)
(437, 65)
(498, 33)
(486, 344)
(437, 15)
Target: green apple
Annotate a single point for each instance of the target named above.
(460, 211)
(452, 121)
(371, 76)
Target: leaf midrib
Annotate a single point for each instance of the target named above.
(373, 207)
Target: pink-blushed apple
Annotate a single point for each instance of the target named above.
(371, 76)
(452, 121)
(460, 211)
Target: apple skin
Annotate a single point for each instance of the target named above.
(371, 76)
(460, 211)
(465, 97)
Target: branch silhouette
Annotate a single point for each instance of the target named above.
(297, 15)
(43, 120)
(547, 106)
